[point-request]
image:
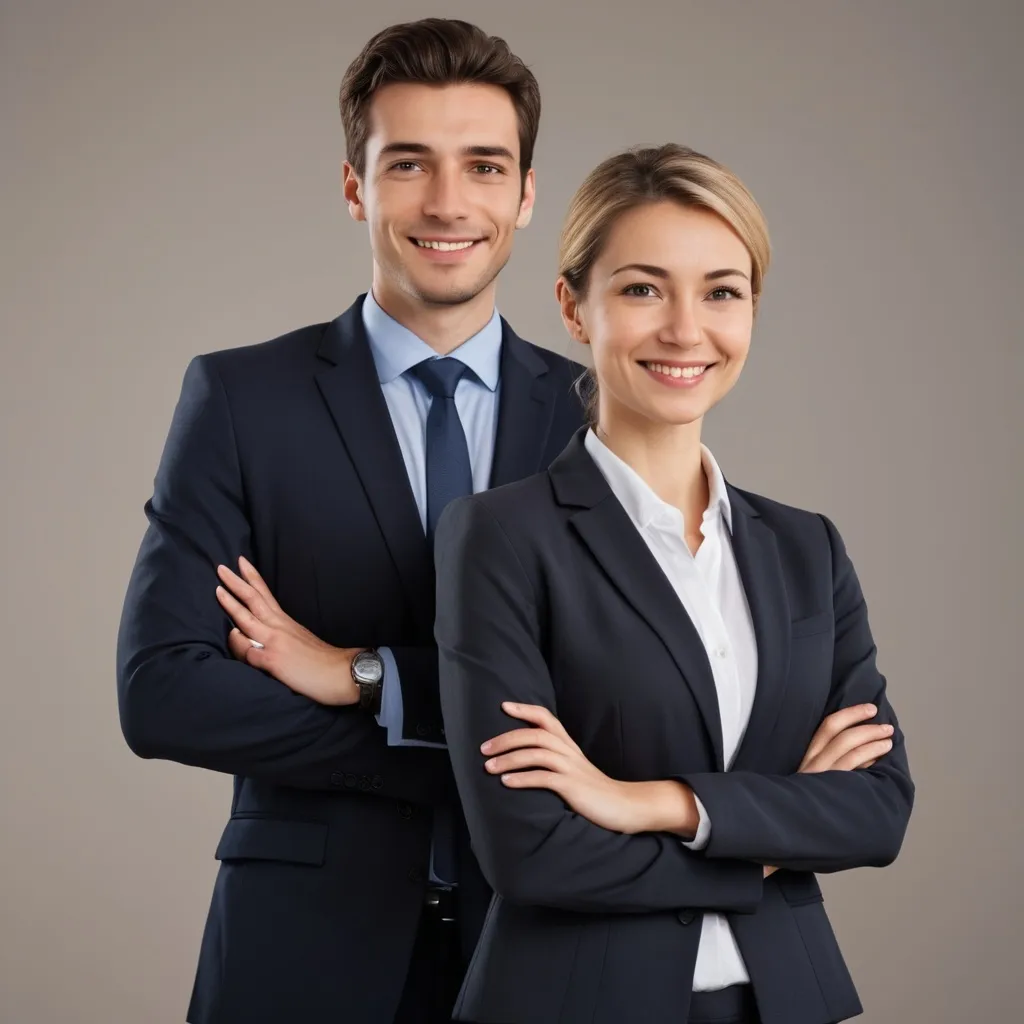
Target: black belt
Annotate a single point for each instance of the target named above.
(724, 1006)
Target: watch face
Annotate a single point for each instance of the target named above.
(368, 667)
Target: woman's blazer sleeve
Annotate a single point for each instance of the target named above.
(825, 821)
(532, 848)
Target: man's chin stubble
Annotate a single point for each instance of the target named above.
(442, 299)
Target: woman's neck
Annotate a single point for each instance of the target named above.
(666, 457)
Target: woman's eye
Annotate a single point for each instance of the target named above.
(641, 291)
(726, 293)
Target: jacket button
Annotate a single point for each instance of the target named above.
(416, 875)
(350, 782)
(364, 783)
(405, 810)
(686, 916)
(378, 781)
(422, 729)
(337, 779)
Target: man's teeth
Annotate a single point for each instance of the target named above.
(676, 371)
(443, 246)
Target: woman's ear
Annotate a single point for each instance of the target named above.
(572, 312)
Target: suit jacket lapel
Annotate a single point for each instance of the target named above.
(615, 543)
(351, 389)
(525, 411)
(757, 558)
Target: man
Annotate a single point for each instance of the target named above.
(322, 459)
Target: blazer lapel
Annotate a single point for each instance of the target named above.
(617, 546)
(757, 558)
(351, 389)
(526, 407)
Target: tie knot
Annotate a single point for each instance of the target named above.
(440, 376)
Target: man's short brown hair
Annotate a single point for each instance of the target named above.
(436, 51)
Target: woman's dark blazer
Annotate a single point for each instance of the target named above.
(547, 594)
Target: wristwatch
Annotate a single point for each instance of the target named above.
(368, 673)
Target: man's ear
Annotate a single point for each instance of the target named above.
(526, 203)
(352, 190)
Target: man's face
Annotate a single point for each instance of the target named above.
(442, 191)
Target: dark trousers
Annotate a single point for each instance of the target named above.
(437, 967)
(733, 1005)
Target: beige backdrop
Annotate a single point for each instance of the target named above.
(170, 186)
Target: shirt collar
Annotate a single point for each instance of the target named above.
(642, 505)
(396, 350)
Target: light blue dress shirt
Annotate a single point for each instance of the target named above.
(395, 350)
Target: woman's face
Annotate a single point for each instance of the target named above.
(668, 314)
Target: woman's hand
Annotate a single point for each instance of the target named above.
(841, 744)
(546, 757)
(268, 639)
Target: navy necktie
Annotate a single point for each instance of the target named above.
(449, 472)
(449, 476)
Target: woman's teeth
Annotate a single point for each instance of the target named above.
(689, 372)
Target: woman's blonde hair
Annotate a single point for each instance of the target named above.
(638, 177)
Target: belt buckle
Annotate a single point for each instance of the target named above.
(441, 897)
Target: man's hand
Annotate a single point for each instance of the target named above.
(545, 757)
(286, 650)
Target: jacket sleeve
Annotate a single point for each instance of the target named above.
(532, 848)
(181, 695)
(825, 821)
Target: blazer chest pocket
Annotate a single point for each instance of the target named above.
(278, 839)
(811, 625)
(799, 888)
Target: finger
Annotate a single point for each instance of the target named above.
(532, 757)
(868, 752)
(239, 644)
(847, 744)
(242, 617)
(835, 724)
(251, 576)
(244, 592)
(538, 715)
(854, 737)
(844, 743)
(534, 780)
(838, 722)
(522, 738)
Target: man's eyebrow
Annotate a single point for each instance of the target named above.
(502, 152)
(422, 149)
(405, 147)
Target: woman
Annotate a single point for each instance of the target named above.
(660, 692)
